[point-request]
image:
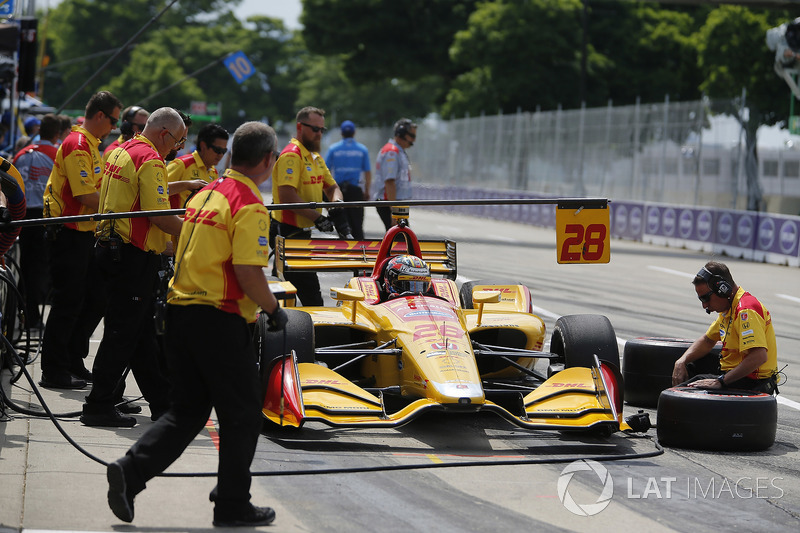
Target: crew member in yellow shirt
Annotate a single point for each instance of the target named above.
(128, 257)
(76, 307)
(219, 282)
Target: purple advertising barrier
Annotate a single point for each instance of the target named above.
(679, 226)
(735, 233)
(654, 231)
(695, 228)
(627, 220)
(776, 239)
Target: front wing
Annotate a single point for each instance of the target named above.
(573, 399)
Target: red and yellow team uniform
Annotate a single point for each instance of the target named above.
(77, 171)
(746, 325)
(305, 171)
(225, 224)
(185, 168)
(111, 147)
(135, 179)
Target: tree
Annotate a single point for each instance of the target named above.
(380, 40)
(733, 55)
(527, 53)
(380, 102)
(184, 41)
(519, 53)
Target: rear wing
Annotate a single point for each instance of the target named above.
(337, 255)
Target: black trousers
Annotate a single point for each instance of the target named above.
(211, 358)
(386, 216)
(355, 215)
(77, 302)
(306, 283)
(33, 265)
(129, 336)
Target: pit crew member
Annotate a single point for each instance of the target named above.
(300, 175)
(749, 354)
(219, 282)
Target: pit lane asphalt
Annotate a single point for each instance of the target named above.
(47, 484)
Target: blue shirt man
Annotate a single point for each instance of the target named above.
(347, 159)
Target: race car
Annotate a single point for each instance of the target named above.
(382, 360)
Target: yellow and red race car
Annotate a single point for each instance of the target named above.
(378, 362)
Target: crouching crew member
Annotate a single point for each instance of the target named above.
(749, 357)
(219, 284)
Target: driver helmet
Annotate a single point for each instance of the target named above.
(407, 273)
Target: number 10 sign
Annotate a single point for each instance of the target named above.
(240, 67)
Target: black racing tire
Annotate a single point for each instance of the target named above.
(465, 293)
(718, 420)
(647, 365)
(298, 335)
(576, 338)
(269, 345)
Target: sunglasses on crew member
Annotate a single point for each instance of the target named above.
(218, 150)
(315, 129)
(114, 120)
(412, 135)
(178, 142)
(705, 298)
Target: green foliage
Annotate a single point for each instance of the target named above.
(372, 61)
(380, 102)
(649, 53)
(182, 42)
(732, 55)
(520, 53)
(385, 40)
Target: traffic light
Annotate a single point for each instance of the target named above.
(27, 54)
(9, 42)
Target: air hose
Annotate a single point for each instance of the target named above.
(347, 470)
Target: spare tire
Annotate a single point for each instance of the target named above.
(647, 365)
(716, 419)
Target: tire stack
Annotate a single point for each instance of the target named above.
(647, 365)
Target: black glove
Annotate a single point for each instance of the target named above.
(323, 223)
(276, 321)
(339, 218)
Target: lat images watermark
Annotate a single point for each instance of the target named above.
(658, 488)
(588, 509)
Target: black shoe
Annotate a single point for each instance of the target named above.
(62, 381)
(82, 373)
(107, 418)
(118, 499)
(255, 516)
(127, 408)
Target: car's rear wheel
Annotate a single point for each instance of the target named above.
(576, 338)
(465, 293)
(647, 366)
(723, 420)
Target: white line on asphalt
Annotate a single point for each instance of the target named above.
(670, 271)
(787, 297)
(788, 403)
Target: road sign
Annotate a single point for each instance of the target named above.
(6, 8)
(240, 67)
